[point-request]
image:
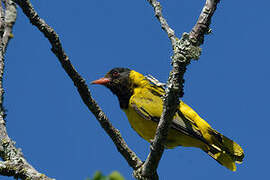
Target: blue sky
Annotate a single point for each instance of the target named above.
(228, 86)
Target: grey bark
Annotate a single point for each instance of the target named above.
(184, 50)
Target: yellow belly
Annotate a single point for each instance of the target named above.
(147, 129)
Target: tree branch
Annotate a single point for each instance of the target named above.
(184, 50)
(202, 26)
(79, 82)
(10, 18)
(163, 22)
(20, 168)
(14, 163)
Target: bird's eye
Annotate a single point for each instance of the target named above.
(115, 74)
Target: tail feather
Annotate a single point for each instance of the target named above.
(234, 149)
(224, 159)
(225, 151)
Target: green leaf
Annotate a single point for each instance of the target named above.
(113, 176)
(116, 176)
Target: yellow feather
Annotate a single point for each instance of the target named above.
(145, 104)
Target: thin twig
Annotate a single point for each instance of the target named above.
(10, 18)
(202, 26)
(163, 22)
(79, 82)
(185, 49)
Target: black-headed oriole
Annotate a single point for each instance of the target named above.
(142, 102)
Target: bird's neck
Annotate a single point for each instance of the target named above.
(124, 96)
(135, 80)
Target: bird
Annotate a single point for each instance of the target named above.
(141, 98)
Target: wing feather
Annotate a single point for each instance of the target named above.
(149, 106)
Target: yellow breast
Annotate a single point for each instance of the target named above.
(145, 128)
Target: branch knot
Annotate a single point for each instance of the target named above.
(184, 50)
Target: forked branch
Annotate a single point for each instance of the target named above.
(184, 50)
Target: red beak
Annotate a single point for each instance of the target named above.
(101, 81)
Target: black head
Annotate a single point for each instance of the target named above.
(117, 80)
